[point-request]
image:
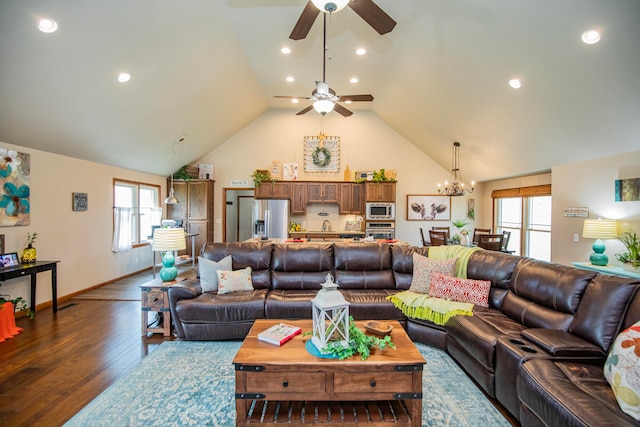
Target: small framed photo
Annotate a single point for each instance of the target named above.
(9, 260)
(428, 207)
(80, 201)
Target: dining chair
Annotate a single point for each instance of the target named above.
(438, 238)
(505, 241)
(424, 241)
(478, 232)
(492, 242)
(445, 229)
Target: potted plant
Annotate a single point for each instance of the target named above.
(630, 241)
(29, 252)
(260, 176)
(461, 238)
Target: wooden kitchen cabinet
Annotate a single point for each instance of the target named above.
(298, 198)
(351, 199)
(323, 192)
(195, 210)
(380, 192)
(273, 190)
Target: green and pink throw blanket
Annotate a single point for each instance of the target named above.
(437, 310)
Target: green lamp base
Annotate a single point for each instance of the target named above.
(598, 257)
(169, 272)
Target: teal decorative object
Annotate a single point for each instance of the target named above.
(169, 271)
(598, 257)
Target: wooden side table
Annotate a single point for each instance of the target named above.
(155, 298)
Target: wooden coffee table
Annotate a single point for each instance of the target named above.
(276, 385)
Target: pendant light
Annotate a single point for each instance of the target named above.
(172, 199)
(455, 185)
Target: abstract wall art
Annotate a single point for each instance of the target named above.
(627, 190)
(15, 172)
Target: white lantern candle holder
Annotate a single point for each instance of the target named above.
(330, 316)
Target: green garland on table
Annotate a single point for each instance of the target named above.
(316, 157)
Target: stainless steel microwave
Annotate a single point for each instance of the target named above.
(377, 210)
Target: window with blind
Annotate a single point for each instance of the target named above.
(526, 213)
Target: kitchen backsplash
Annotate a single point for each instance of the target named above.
(312, 221)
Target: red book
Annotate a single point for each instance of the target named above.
(279, 334)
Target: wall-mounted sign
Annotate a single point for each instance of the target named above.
(239, 183)
(576, 212)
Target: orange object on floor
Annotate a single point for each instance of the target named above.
(8, 328)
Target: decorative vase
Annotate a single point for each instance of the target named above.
(29, 255)
(464, 240)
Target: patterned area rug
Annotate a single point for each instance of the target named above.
(191, 384)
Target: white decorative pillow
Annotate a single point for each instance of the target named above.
(459, 289)
(622, 370)
(207, 270)
(233, 281)
(423, 267)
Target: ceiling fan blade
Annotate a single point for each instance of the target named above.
(340, 109)
(306, 110)
(356, 98)
(305, 22)
(373, 15)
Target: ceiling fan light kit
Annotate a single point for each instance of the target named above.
(323, 106)
(330, 6)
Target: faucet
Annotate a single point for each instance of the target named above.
(326, 225)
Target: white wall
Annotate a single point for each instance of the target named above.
(81, 241)
(591, 184)
(366, 143)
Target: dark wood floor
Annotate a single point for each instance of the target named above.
(60, 362)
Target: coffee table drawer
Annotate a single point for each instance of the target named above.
(394, 382)
(262, 382)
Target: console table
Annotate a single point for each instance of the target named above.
(22, 270)
(607, 269)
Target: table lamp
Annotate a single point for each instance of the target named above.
(168, 240)
(599, 229)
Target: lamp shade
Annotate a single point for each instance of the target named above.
(168, 239)
(600, 229)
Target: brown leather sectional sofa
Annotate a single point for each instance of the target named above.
(538, 349)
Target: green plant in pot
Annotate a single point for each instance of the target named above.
(630, 241)
(260, 176)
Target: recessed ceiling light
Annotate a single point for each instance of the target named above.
(124, 77)
(361, 51)
(515, 83)
(591, 37)
(353, 80)
(295, 100)
(290, 79)
(47, 25)
(348, 101)
(285, 50)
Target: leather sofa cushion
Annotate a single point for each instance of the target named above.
(569, 394)
(479, 333)
(494, 266)
(563, 344)
(555, 286)
(599, 316)
(289, 304)
(301, 266)
(534, 315)
(402, 264)
(256, 255)
(363, 266)
(211, 307)
(372, 304)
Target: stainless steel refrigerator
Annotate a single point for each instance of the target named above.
(271, 218)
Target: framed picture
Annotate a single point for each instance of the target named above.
(428, 207)
(80, 201)
(9, 260)
(1, 243)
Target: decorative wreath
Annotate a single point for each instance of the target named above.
(321, 161)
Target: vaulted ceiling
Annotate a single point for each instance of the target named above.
(207, 68)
